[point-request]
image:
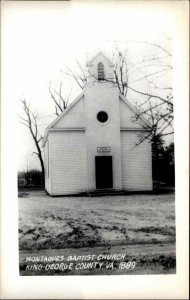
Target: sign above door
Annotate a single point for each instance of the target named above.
(103, 149)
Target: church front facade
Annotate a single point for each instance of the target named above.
(94, 144)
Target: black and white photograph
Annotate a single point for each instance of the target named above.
(91, 91)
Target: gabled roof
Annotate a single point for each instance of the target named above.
(77, 100)
(134, 110)
(89, 63)
(60, 116)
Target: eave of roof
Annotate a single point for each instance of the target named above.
(59, 117)
(89, 63)
(134, 110)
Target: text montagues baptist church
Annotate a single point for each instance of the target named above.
(93, 145)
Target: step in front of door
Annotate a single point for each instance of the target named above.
(102, 192)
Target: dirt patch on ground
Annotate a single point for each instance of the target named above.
(158, 230)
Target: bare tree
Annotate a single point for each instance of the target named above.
(60, 101)
(80, 76)
(155, 101)
(160, 116)
(31, 121)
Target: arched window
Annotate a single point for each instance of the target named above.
(100, 71)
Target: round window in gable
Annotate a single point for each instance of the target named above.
(102, 116)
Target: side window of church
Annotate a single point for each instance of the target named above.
(100, 71)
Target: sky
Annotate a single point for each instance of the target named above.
(40, 38)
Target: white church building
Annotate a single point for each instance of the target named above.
(92, 145)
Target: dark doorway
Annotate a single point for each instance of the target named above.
(104, 176)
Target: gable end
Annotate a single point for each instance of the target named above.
(52, 124)
(135, 111)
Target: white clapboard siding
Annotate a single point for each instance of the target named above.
(68, 162)
(47, 170)
(136, 162)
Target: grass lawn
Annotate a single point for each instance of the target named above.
(141, 227)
